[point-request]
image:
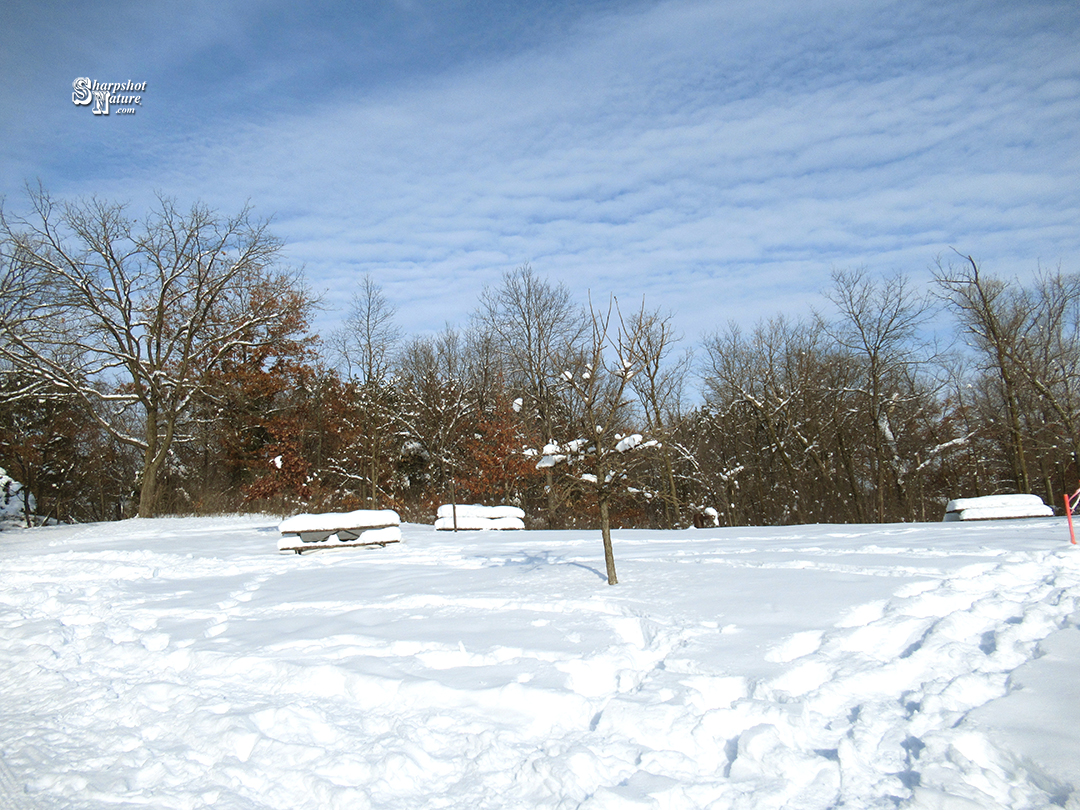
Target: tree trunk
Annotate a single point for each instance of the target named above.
(1012, 409)
(148, 492)
(552, 501)
(26, 508)
(605, 531)
(157, 449)
(671, 505)
(849, 468)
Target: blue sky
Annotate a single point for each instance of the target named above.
(718, 158)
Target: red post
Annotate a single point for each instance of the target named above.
(1069, 500)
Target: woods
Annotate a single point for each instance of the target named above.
(165, 363)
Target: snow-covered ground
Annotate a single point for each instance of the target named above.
(185, 663)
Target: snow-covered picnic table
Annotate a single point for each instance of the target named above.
(476, 517)
(997, 507)
(363, 527)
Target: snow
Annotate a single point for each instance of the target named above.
(184, 663)
(11, 498)
(995, 507)
(475, 510)
(331, 521)
(445, 524)
(554, 454)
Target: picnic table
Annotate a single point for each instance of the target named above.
(997, 507)
(362, 527)
(466, 517)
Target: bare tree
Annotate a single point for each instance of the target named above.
(878, 321)
(778, 413)
(438, 404)
(595, 388)
(365, 348)
(659, 387)
(24, 294)
(1029, 340)
(533, 324)
(1047, 357)
(993, 315)
(365, 345)
(138, 310)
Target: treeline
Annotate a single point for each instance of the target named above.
(165, 364)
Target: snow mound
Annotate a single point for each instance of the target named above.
(997, 507)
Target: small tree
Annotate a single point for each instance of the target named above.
(596, 390)
(15, 499)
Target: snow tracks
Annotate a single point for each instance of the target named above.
(870, 714)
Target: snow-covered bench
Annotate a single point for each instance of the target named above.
(364, 527)
(473, 516)
(997, 507)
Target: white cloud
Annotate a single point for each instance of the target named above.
(720, 158)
